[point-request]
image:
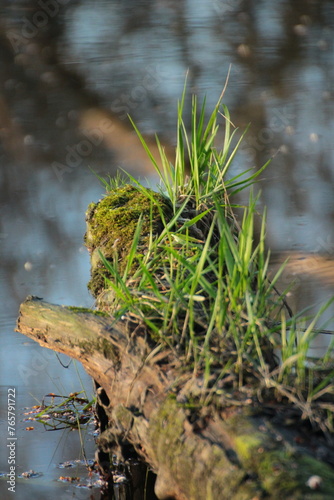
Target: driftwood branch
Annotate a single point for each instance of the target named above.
(103, 346)
(198, 453)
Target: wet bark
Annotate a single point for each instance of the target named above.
(197, 452)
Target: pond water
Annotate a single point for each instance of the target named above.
(71, 71)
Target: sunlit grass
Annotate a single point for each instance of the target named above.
(63, 412)
(201, 286)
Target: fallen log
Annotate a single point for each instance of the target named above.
(237, 451)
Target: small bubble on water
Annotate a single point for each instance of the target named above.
(28, 266)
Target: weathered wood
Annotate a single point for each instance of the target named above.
(118, 363)
(197, 453)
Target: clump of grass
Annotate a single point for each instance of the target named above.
(201, 286)
(62, 412)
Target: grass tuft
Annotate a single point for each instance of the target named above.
(201, 285)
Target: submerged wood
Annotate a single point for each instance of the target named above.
(198, 453)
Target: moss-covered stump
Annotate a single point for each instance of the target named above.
(184, 362)
(111, 225)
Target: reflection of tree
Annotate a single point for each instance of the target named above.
(273, 64)
(47, 95)
(38, 91)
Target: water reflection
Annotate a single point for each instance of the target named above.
(70, 74)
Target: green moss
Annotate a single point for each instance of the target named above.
(101, 345)
(245, 446)
(212, 476)
(279, 467)
(86, 310)
(111, 225)
(261, 467)
(123, 417)
(106, 348)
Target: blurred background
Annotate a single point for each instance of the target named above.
(71, 72)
